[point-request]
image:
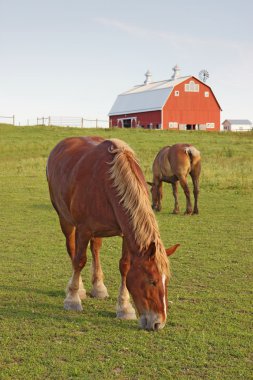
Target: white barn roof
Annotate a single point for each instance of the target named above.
(145, 97)
(238, 122)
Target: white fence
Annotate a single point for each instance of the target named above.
(66, 121)
(7, 119)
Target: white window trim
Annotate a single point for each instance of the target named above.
(173, 125)
(191, 87)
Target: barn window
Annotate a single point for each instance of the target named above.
(191, 87)
(176, 93)
(173, 124)
(206, 94)
(210, 125)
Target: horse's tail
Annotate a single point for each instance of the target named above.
(192, 151)
(194, 155)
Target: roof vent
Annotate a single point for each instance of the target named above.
(176, 73)
(148, 77)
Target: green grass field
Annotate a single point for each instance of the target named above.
(208, 334)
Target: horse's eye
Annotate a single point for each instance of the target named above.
(153, 282)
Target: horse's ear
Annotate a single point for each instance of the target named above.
(150, 183)
(152, 250)
(172, 249)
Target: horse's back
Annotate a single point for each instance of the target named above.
(176, 160)
(68, 151)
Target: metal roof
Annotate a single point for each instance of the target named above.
(238, 122)
(145, 97)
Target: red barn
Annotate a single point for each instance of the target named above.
(184, 103)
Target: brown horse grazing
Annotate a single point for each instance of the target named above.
(98, 190)
(172, 164)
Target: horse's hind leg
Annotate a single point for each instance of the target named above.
(195, 181)
(99, 290)
(73, 301)
(70, 235)
(175, 194)
(195, 173)
(124, 308)
(184, 184)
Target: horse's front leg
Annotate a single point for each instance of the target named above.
(125, 309)
(175, 194)
(99, 290)
(70, 234)
(159, 187)
(72, 300)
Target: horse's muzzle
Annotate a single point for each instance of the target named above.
(151, 323)
(156, 207)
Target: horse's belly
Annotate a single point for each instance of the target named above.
(107, 233)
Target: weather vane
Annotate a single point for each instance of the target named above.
(203, 75)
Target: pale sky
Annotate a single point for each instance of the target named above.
(73, 57)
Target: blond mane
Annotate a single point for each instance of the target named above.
(135, 200)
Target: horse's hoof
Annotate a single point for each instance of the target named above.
(99, 291)
(99, 294)
(68, 305)
(126, 312)
(73, 302)
(175, 212)
(126, 316)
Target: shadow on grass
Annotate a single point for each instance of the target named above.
(46, 314)
(50, 293)
(41, 311)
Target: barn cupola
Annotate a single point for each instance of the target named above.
(176, 73)
(148, 77)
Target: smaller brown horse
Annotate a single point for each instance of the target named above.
(172, 164)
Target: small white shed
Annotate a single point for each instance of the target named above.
(237, 125)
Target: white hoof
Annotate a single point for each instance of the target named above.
(99, 290)
(73, 302)
(126, 313)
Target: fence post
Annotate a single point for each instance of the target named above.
(96, 123)
(82, 122)
(13, 118)
(49, 120)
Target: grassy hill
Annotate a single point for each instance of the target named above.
(209, 328)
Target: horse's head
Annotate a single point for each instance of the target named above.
(148, 288)
(156, 194)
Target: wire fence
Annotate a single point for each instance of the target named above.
(59, 121)
(67, 121)
(7, 119)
